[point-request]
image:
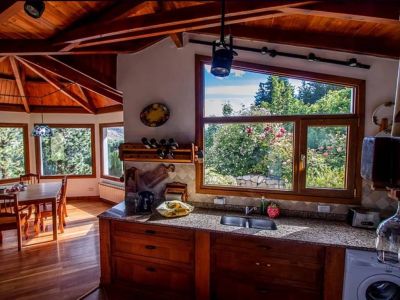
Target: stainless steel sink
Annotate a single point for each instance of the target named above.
(248, 222)
(234, 221)
(262, 224)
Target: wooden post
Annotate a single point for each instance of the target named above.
(334, 273)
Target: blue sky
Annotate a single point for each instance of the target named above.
(239, 88)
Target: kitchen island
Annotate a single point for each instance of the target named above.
(196, 257)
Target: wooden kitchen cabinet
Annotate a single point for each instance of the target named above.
(165, 262)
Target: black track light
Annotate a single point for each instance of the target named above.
(353, 62)
(311, 57)
(222, 53)
(34, 8)
(272, 53)
(264, 50)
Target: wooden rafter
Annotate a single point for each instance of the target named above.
(61, 69)
(19, 75)
(9, 8)
(86, 97)
(352, 44)
(177, 38)
(56, 84)
(177, 21)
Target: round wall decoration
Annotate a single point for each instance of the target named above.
(154, 115)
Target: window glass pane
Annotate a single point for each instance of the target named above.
(12, 159)
(326, 157)
(246, 93)
(256, 155)
(112, 138)
(68, 151)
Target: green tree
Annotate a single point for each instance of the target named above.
(312, 91)
(12, 161)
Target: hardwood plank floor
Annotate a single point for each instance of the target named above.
(54, 270)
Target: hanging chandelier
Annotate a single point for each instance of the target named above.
(222, 53)
(42, 129)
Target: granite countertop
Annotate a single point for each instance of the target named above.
(322, 232)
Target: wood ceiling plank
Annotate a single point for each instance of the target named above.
(63, 70)
(179, 17)
(8, 9)
(56, 84)
(385, 12)
(20, 79)
(360, 45)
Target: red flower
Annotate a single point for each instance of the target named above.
(325, 154)
(268, 129)
(249, 130)
(282, 130)
(279, 134)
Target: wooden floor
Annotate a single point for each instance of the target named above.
(54, 270)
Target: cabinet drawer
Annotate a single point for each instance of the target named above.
(153, 230)
(227, 288)
(258, 246)
(154, 277)
(269, 269)
(178, 251)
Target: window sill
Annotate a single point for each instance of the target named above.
(279, 195)
(69, 176)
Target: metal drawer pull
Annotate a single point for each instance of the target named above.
(149, 231)
(259, 264)
(150, 269)
(150, 247)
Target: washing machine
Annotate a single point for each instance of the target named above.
(367, 279)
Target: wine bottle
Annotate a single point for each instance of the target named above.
(161, 153)
(163, 142)
(173, 145)
(154, 143)
(146, 143)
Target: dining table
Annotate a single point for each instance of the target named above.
(42, 193)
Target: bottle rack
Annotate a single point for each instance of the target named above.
(186, 153)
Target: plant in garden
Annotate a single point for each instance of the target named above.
(12, 161)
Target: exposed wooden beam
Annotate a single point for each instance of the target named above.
(56, 84)
(177, 38)
(19, 75)
(86, 97)
(63, 70)
(177, 21)
(359, 45)
(383, 12)
(3, 58)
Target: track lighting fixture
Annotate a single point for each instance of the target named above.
(222, 53)
(353, 62)
(34, 8)
(311, 57)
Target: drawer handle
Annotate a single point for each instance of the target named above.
(259, 264)
(150, 269)
(150, 247)
(150, 232)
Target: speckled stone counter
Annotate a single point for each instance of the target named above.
(320, 232)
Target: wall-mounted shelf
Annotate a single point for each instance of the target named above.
(138, 152)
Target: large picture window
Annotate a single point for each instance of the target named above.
(14, 151)
(70, 151)
(280, 133)
(111, 136)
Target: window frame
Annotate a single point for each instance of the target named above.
(101, 127)
(24, 127)
(38, 154)
(350, 196)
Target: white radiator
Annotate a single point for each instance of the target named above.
(111, 192)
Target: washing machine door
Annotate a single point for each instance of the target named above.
(380, 287)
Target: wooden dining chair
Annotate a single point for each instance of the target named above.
(13, 217)
(44, 212)
(30, 178)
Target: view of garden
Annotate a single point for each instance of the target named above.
(260, 155)
(12, 162)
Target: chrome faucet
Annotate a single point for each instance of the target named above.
(249, 209)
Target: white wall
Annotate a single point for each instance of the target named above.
(163, 73)
(76, 187)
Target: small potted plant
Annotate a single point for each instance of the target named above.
(273, 210)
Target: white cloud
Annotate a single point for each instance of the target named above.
(232, 90)
(237, 73)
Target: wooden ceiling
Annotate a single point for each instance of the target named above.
(71, 48)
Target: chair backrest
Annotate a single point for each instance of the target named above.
(8, 205)
(30, 178)
(63, 192)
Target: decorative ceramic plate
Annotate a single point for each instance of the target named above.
(154, 115)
